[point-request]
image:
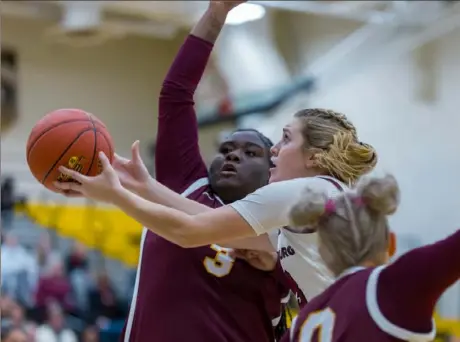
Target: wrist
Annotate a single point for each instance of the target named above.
(120, 196)
(140, 188)
(218, 14)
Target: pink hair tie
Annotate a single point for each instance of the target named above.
(329, 207)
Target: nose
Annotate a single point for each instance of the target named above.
(233, 156)
(274, 150)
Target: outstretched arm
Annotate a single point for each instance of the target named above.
(214, 226)
(258, 213)
(416, 281)
(158, 193)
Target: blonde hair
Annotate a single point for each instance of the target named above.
(341, 153)
(353, 227)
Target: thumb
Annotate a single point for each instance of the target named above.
(135, 154)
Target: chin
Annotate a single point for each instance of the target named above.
(230, 182)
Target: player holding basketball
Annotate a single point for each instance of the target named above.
(200, 294)
(369, 301)
(319, 148)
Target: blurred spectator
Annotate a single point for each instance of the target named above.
(77, 269)
(7, 202)
(19, 271)
(45, 255)
(14, 335)
(54, 329)
(55, 287)
(77, 258)
(31, 331)
(104, 304)
(90, 334)
(12, 314)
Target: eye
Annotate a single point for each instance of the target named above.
(251, 153)
(285, 137)
(224, 150)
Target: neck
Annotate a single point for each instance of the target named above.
(229, 196)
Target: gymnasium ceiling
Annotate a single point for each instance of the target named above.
(162, 18)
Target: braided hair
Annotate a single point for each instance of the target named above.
(339, 150)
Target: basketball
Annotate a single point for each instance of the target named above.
(67, 137)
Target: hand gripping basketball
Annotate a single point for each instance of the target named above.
(99, 188)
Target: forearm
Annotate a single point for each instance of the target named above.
(166, 222)
(209, 26)
(156, 192)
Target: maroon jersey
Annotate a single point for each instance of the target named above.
(197, 294)
(384, 304)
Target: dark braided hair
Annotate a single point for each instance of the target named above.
(267, 142)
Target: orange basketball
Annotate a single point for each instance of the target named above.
(67, 137)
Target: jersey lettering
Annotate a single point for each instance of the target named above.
(222, 264)
(321, 322)
(285, 252)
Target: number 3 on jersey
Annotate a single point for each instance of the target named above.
(321, 322)
(222, 264)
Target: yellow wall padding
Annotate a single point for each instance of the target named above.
(107, 230)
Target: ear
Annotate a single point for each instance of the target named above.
(392, 244)
(310, 157)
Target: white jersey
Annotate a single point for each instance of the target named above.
(267, 209)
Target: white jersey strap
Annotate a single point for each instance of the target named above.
(334, 182)
(195, 186)
(382, 322)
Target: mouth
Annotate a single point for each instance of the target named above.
(273, 160)
(228, 170)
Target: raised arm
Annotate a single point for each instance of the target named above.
(408, 289)
(178, 160)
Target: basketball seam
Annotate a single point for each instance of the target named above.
(64, 152)
(108, 143)
(95, 143)
(49, 129)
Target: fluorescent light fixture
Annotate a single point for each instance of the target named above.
(245, 13)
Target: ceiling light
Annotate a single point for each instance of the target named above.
(245, 13)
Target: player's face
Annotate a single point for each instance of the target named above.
(289, 156)
(241, 166)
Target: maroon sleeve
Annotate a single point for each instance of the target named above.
(178, 162)
(409, 288)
